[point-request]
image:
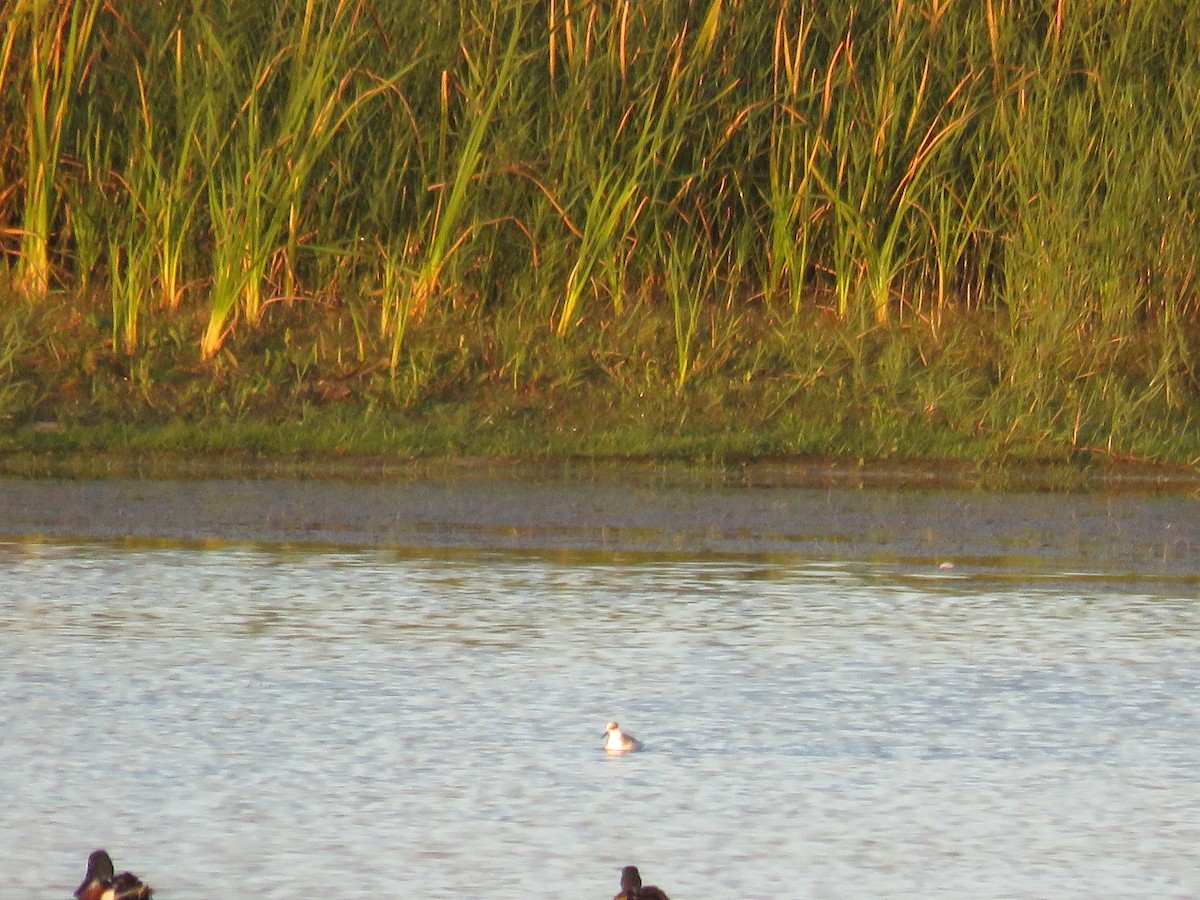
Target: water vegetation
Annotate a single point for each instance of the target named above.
(699, 229)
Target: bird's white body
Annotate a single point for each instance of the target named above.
(617, 741)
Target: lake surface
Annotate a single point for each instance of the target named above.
(386, 689)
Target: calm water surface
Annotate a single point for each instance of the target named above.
(381, 720)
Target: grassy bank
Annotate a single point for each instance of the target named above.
(703, 230)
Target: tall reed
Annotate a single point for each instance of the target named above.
(51, 41)
(490, 73)
(270, 149)
(888, 129)
(791, 195)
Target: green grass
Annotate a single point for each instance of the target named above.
(696, 230)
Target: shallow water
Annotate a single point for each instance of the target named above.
(398, 714)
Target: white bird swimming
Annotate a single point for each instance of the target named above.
(616, 741)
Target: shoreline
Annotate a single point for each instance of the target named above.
(757, 472)
(1102, 530)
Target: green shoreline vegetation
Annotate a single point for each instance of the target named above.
(709, 230)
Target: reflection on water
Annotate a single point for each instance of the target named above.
(379, 723)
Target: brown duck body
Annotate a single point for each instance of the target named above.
(632, 889)
(100, 883)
